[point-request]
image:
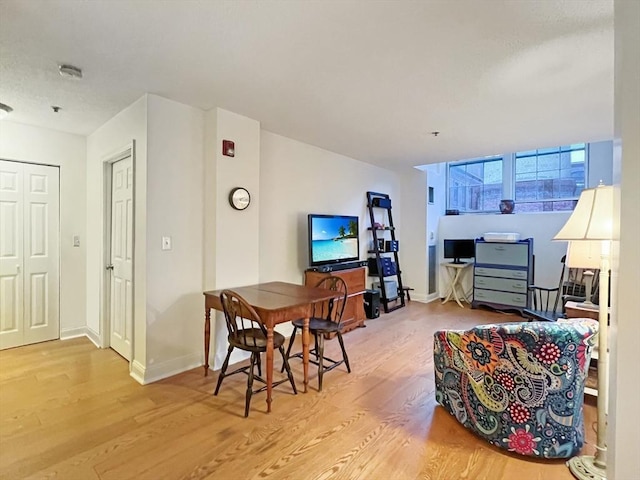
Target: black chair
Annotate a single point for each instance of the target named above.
(247, 332)
(325, 320)
(548, 303)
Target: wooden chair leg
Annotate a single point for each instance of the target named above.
(344, 352)
(291, 340)
(315, 346)
(259, 365)
(249, 385)
(320, 356)
(223, 370)
(285, 364)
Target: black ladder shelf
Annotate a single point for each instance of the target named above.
(381, 265)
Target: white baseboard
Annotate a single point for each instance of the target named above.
(432, 298)
(137, 372)
(94, 337)
(152, 373)
(70, 333)
(421, 298)
(417, 298)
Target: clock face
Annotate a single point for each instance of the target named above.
(239, 198)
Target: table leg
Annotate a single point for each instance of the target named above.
(207, 339)
(305, 352)
(269, 365)
(454, 287)
(450, 290)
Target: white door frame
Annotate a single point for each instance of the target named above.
(105, 324)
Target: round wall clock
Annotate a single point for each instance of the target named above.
(239, 198)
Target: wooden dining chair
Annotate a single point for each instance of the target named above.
(325, 320)
(248, 333)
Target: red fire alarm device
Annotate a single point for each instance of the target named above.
(228, 148)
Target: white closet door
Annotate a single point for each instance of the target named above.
(11, 256)
(121, 302)
(30, 268)
(41, 253)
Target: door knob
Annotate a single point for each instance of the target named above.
(109, 267)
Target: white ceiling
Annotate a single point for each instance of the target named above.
(367, 79)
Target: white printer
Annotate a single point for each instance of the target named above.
(507, 237)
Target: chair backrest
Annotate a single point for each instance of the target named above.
(573, 286)
(242, 320)
(548, 303)
(545, 301)
(334, 308)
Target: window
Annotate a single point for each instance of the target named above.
(549, 179)
(543, 180)
(476, 185)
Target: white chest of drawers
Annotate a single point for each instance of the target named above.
(501, 274)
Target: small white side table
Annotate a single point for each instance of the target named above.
(456, 272)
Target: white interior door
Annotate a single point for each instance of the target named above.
(121, 258)
(29, 254)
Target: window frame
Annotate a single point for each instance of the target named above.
(560, 149)
(509, 177)
(458, 163)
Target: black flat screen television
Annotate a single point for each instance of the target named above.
(459, 248)
(333, 239)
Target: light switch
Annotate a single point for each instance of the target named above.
(166, 243)
(76, 240)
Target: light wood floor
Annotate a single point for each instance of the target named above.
(71, 411)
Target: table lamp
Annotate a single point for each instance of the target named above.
(592, 219)
(585, 254)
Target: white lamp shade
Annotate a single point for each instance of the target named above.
(584, 254)
(592, 219)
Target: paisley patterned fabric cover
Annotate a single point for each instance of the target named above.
(520, 386)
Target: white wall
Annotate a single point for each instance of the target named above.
(168, 197)
(600, 163)
(542, 227)
(436, 178)
(413, 235)
(623, 436)
(231, 236)
(237, 237)
(111, 138)
(174, 316)
(39, 145)
(297, 179)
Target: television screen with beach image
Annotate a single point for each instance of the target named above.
(333, 239)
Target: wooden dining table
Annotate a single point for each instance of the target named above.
(275, 302)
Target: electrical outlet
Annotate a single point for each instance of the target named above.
(166, 243)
